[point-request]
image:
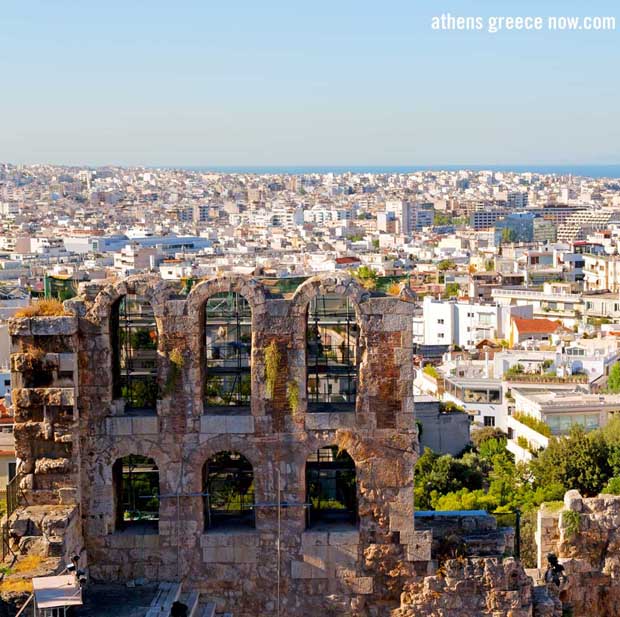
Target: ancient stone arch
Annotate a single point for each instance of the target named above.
(251, 289)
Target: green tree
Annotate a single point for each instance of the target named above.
(442, 218)
(480, 436)
(438, 475)
(578, 461)
(508, 235)
(613, 381)
(446, 264)
(429, 369)
(451, 290)
(367, 277)
(613, 486)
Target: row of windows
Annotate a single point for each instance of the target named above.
(332, 352)
(228, 492)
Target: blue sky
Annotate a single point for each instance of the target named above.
(315, 83)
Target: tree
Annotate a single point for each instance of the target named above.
(367, 277)
(446, 264)
(438, 475)
(613, 381)
(487, 433)
(508, 235)
(578, 461)
(442, 218)
(429, 369)
(451, 290)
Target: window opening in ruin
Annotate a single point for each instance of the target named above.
(228, 350)
(134, 345)
(229, 492)
(333, 353)
(331, 489)
(136, 480)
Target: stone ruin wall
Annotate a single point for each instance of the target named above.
(585, 535)
(69, 431)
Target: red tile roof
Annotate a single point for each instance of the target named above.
(535, 326)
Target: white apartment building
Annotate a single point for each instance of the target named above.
(556, 300)
(559, 410)
(133, 258)
(602, 272)
(449, 322)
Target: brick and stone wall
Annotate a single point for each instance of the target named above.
(70, 430)
(586, 538)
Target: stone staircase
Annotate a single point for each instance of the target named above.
(168, 593)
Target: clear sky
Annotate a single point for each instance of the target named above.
(273, 82)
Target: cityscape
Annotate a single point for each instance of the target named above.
(503, 288)
(309, 309)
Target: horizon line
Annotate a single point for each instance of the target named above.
(463, 166)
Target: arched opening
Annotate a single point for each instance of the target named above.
(227, 353)
(332, 356)
(331, 489)
(228, 487)
(133, 332)
(136, 494)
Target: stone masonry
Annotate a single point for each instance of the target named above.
(70, 430)
(585, 535)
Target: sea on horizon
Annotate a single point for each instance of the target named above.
(588, 171)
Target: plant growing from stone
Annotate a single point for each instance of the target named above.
(292, 396)
(176, 365)
(272, 366)
(42, 308)
(571, 522)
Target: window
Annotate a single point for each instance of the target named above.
(561, 424)
(136, 488)
(134, 352)
(332, 354)
(228, 351)
(489, 420)
(331, 489)
(228, 487)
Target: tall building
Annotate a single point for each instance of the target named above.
(515, 227)
(517, 200)
(578, 225)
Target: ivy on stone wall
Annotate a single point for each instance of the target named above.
(272, 367)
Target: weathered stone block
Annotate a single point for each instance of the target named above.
(218, 554)
(145, 425)
(573, 500)
(313, 538)
(303, 570)
(419, 544)
(53, 326)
